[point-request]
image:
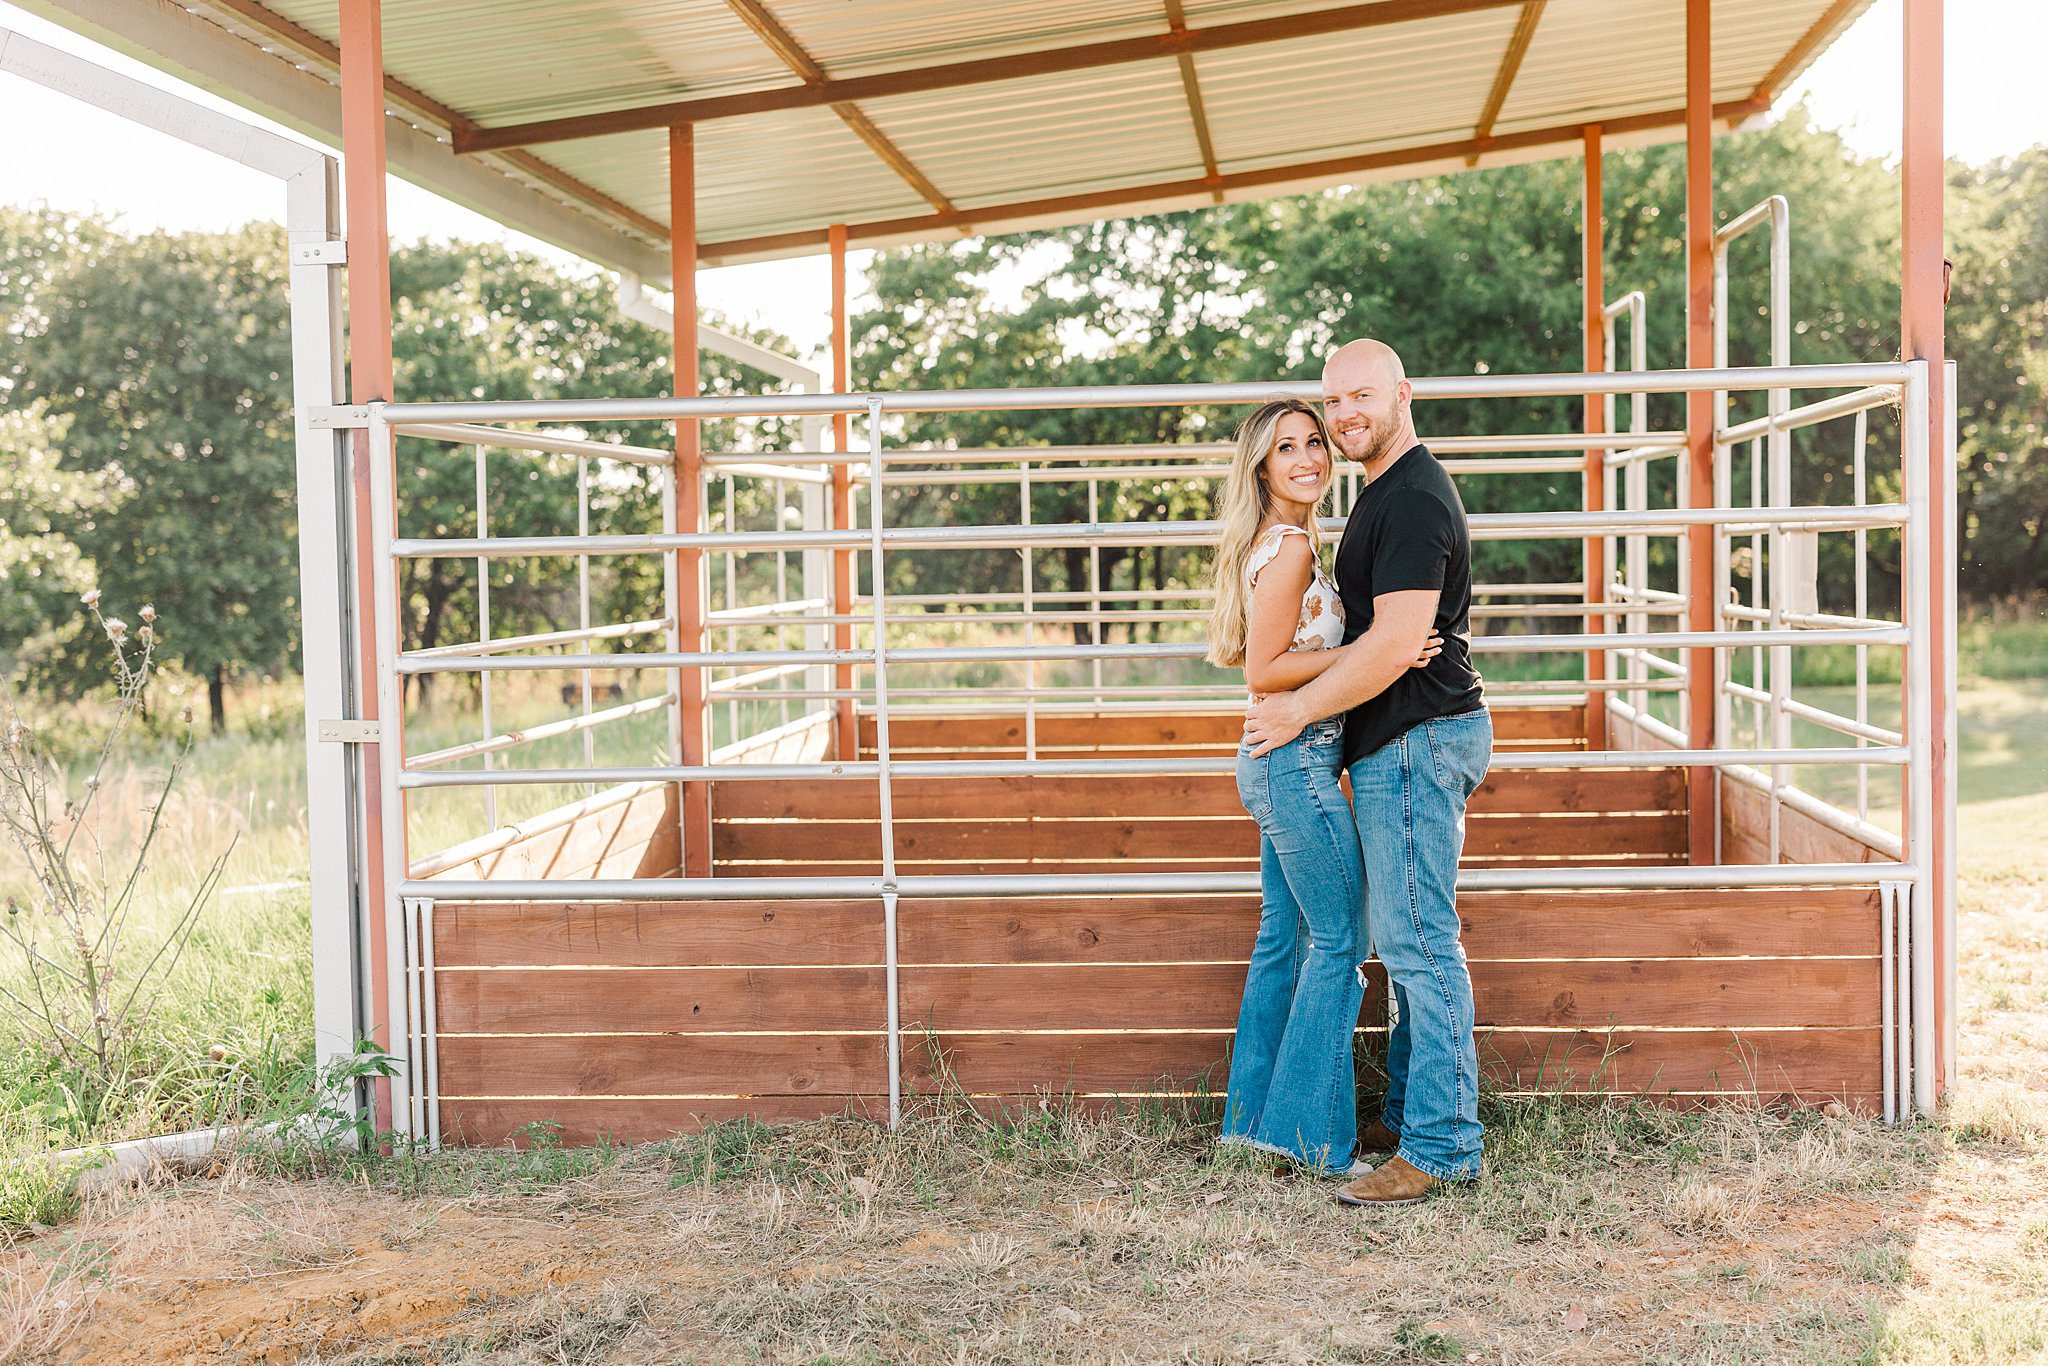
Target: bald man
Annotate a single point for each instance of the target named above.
(1417, 743)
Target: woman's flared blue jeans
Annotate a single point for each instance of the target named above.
(1292, 1085)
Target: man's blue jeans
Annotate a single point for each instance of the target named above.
(1292, 1084)
(1409, 798)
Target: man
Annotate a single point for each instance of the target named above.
(1417, 743)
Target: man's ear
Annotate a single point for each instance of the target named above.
(1404, 393)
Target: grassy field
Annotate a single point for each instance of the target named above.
(1623, 1232)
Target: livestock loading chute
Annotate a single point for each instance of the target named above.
(888, 835)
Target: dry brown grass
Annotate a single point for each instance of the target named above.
(1623, 1233)
(1619, 1233)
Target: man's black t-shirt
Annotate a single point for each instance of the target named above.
(1408, 531)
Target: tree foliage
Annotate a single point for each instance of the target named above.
(168, 359)
(146, 445)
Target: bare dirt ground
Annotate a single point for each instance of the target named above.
(1602, 1233)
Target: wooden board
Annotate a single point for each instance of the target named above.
(1722, 993)
(1051, 837)
(1128, 798)
(1112, 996)
(1746, 833)
(1670, 923)
(1759, 922)
(1077, 730)
(657, 1000)
(1816, 1062)
(665, 1064)
(582, 1121)
(657, 933)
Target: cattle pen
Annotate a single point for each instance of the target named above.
(892, 838)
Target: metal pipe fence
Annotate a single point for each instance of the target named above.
(749, 567)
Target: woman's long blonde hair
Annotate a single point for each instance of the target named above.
(1242, 511)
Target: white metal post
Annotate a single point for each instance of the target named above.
(1920, 584)
(1944, 781)
(391, 750)
(326, 630)
(878, 601)
(1887, 913)
(1030, 608)
(1095, 587)
(583, 599)
(816, 573)
(483, 617)
(1861, 491)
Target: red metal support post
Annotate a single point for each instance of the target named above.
(1923, 294)
(1701, 665)
(846, 735)
(689, 478)
(1594, 235)
(370, 379)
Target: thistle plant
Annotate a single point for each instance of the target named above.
(82, 985)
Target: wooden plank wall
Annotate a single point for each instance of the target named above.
(1148, 824)
(644, 1019)
(1746, 832)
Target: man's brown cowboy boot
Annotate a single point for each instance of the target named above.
(1376, 1137)
(1393, 1183)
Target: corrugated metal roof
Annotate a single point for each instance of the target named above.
(1046, 148)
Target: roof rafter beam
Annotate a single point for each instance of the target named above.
(1332, 171)
(310, 44)
(1198, 114)
(954, 75)
(785, 45)
(1504, 79)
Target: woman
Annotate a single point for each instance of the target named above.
(1292, 1089)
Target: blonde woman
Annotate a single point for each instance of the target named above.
(1278, 616)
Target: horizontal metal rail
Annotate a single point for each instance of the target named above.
(546, 442)
(1561, 878)
(1178, 766)
(511, 739)
(408, 415)
(964, 654)
(507, 835)
(1089, 474)
(1820, 716)
(1825, 621)
(1807, 804)
(1114, 616)
(1485, 526)
(1194, 594)
(1655, 662)
(500, 644)
(757, 677)
(1811, 414)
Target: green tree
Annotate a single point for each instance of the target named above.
(167, 356)
(1998, 337)
(41, 571)
(1467, 274)
(477, 320)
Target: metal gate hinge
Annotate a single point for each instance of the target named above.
(350, 732)
(329, 253)
(328, 417)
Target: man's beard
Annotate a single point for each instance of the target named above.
(1379, 444)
